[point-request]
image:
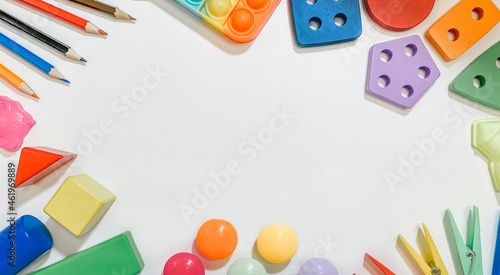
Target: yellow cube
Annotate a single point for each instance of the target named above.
(79, 204)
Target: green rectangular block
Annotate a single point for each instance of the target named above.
(116, 256)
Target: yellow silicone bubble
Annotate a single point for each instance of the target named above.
(219, 8)
(277, 243)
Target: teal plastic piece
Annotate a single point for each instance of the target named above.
(118, 255)
(469, 254)
(485, 71)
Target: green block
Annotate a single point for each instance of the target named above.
(487, 74)
(116, 256)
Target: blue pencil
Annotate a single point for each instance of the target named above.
(31, 57)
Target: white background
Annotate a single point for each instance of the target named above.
(323, 174)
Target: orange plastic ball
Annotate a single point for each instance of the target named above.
(217, 239)
(242, 20)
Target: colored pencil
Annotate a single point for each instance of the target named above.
(31, 57)
(116, 12)
(15, 80)
(66, 16)
(43, 37)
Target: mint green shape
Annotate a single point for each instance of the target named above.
(116, 256)
(464, 250)
(485, 68)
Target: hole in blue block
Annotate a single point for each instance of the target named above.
(311, 2)
(383, 81)
(340, 19)
(385, 55)
(479, 81)
(314, 23)
(407, 91)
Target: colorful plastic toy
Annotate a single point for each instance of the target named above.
(480, 81)
(378, 266)
(247, 266)
(118, 255)
(323, 22)
(239, 20)
(277, 243)
(462, 26)
(469, 255)
(398, 15)
(496, 259)
(318, 266)
(400, 71)
(15, 123)
(486, 139)
(22, 242)
(36, 163)
(79, 204)
(430, 265)
(184, 264)
(217, 239)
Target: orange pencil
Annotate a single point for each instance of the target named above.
(66, 16)
(16, 81)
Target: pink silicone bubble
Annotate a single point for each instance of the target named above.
(15, 123)
(184, 264)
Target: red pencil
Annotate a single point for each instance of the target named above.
(64, 15)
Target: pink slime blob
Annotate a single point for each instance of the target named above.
(15, 123)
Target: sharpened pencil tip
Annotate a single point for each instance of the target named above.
(83, 60)
(102, 32)
(35, 96)
(65, 80)
(131, 18)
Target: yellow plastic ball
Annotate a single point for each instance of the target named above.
(277, 243)
(219, 8)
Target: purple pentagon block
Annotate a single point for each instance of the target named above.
(400, 71)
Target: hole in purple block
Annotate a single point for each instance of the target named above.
(383, 81)
(479, 81)
(311, 2)
(453, 34)
(385, 55)
(340, 19)
(477, 13)
(424, 72)
(407, 91)
(411, 50)
(314, 23)
(498, 62)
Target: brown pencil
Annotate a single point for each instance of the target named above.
(116, 12)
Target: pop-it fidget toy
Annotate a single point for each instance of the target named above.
(239, 20)
(323, 22)
(400, 71)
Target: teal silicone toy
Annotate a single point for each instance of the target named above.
(486, 139)
(485, 70)
(247, 266)
(118, 255)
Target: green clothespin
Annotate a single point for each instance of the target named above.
(470, 257)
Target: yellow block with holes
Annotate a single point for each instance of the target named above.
(79, 204)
